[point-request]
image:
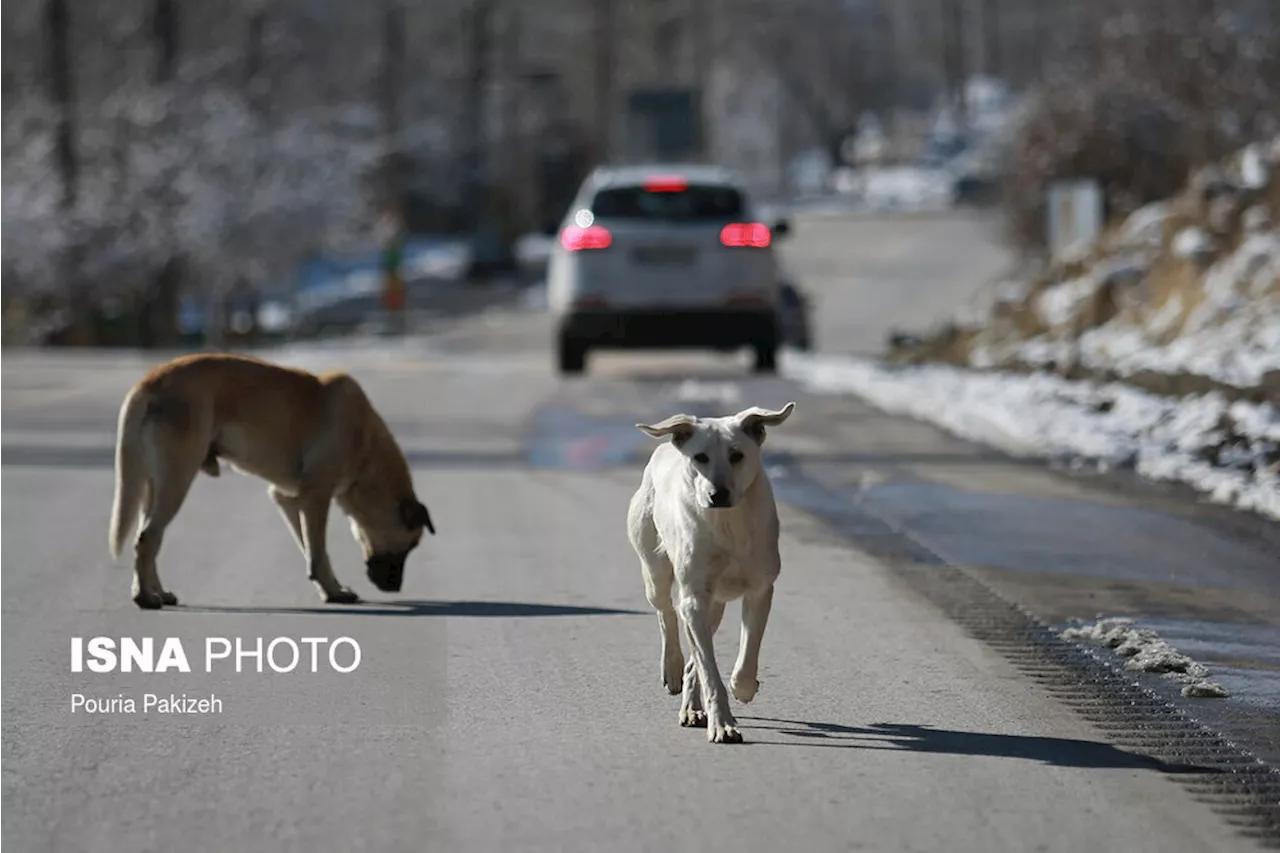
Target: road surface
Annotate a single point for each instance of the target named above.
(509, 698)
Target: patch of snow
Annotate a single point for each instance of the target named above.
(1232, 335)
(1166, 316)
(447, 261)
(693, 391)
(1191, 242)
(910, 188)
(1256, 219)
(1045, 416)
(533, 249)
(1059, 304)
(1077, 252)
(1145, 226)
(1004, 291)
(1146, 652)
(1253, 168)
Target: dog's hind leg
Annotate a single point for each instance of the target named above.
(166, 498)
(692, 714)
(755, 615)
(210, 464)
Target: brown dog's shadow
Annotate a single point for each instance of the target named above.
(409, 607)
(1055, 751)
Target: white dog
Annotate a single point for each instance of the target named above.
(704, 519)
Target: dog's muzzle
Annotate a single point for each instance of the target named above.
(386, 571)
(721, 499)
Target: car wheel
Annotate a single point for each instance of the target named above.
(766, 358)
(571, 355)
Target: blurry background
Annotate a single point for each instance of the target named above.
(184, 173)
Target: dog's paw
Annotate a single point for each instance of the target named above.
(723, 734)
(148, 600)
(744, 690)
(693, 718)
(342, 596)
(169, 598)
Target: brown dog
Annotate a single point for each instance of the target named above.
(314, 438)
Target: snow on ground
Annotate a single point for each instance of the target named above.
(1147, 652)
(884, 188)
(1231, 334)
(534, 249)
(1228, 451)
(723, 393)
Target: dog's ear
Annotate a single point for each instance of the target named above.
(414, 514)
(679, 427)
(754, 420)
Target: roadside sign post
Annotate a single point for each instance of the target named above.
(1074, 216)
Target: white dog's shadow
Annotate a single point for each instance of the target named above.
(409, 607)
(1059, 752)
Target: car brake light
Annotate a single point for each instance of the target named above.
(665, 184)
(753, 234)
(576, 239)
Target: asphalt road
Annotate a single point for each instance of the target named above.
(509, 697)
(872, 274)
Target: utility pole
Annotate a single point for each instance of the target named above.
(603, 25)
(254, 34)
(62, 93)
(245, 287)
(477, 82)
(159, 322)
(954, 59)
(991, 22)
(703, 63)
(164, 23)
(390, 85)
(515, 196)
(391, 230)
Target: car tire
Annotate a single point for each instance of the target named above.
(766, 360)
(571, 356)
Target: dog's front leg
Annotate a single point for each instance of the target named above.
(696, 609)
(755, 615)
(692, 712)
(314, 509)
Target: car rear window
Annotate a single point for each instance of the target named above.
(692, 204)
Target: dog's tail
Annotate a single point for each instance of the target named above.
(132, 481)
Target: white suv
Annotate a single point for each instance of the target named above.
(663, 257)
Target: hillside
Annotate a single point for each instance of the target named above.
(1181, 296)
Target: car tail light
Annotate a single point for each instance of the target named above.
(575, 239)
(665, 184)
(753, 234)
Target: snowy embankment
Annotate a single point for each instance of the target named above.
(1180, 296)
(1229, 451)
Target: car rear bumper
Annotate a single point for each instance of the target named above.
(670, 329)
